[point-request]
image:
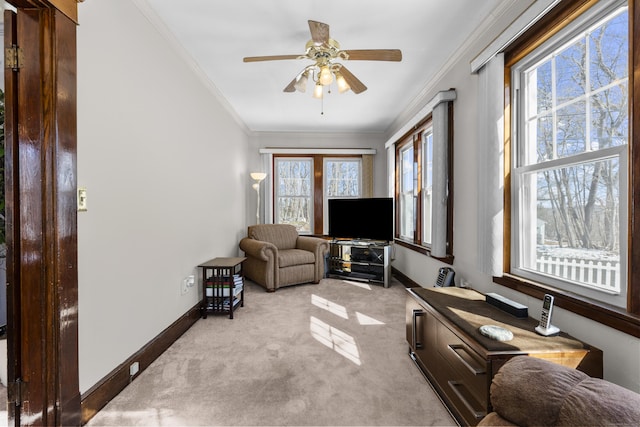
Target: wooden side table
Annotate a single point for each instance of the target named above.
(222, 286)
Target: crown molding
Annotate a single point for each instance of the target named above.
(153, 18)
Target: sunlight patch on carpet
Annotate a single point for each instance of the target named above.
(363, 319)
(332, 307)
(341, 342)
(358, 284)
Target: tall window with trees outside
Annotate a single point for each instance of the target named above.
(304, 184)
(294, 193)
(570, 157)
(414, 157)
(407, 192)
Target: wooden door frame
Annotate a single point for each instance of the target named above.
(41, 215)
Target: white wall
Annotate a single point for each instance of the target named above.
(621, 351)
(165, 169)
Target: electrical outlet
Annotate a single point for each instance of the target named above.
(134, 368)
(184, 286)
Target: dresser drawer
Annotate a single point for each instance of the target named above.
(467, 374)
(460, 363)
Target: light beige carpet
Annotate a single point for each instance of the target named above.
(328, 355)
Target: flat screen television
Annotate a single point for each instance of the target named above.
(366, 218)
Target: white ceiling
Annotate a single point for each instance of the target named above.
(218, 34)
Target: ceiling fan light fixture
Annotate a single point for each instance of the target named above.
(343, 86)
(301, 83)
(326, 77)
(323, 51)
(317, 92)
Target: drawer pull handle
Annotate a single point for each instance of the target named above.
(417, 313)
(474, 370)
(456, 386)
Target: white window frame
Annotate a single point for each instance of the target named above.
(524, 165)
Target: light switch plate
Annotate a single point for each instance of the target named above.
(82, 199)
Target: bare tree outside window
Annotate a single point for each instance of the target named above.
(294, 189)
(342, 178)
(570, 154)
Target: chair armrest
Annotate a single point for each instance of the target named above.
(258, 249)
(319, 247)
(313, 244)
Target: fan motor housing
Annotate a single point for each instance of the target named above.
(323, 52)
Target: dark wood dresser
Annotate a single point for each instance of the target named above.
(444, 341)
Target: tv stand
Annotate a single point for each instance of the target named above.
(363, 260)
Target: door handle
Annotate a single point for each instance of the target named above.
(417, 313)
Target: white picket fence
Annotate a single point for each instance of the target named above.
(600, 274)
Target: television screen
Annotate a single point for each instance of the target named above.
(369, 218)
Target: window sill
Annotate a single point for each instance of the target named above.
(614, 317)
(423, 250)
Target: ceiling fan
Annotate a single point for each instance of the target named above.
(325, 51)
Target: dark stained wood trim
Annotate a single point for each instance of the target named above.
(117, 380)
(450, 186)
(633, 300)
(12, 199)
(318, 194)
(611, 316)
(41, 209)
(541, 31)
(67, 7)
(62, 209)
(506, 226)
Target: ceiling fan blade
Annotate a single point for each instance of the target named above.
(374, 55)
(356, 85)
(291, 87)
(299, 82)
(269, 58)
(319, 32)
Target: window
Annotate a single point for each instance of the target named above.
(570, 212)
(408, 190)
(303, 184)
(570, 155)
(416, 165)
(294, 193)
(419, 177)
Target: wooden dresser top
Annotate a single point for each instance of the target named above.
(468, 310)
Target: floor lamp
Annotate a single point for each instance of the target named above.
(258, 177)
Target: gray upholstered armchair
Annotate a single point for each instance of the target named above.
(277, 256)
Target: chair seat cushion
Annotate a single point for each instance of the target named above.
(289, 257)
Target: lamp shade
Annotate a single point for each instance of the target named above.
(258, 176)
(343, 86)
(301, 82)
(325, 76)
(317, 92)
